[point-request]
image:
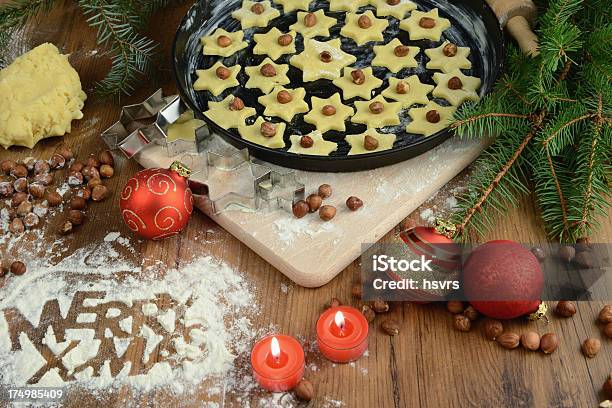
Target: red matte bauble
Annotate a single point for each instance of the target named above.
(503, 270)
(156, 203)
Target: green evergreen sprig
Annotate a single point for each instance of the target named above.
(552, 118)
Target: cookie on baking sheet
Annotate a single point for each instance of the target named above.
(448, 57)
(312, 144)
(264, 133)
(394, 8)
(274, 43)
(223, 43)
(357, 82)
(321, 60)
(313, 24)
(425, 25)
(408, 91)
(430, 119)
(284, 103)
(328, 114)
(267, 75)
(456, 87)
(369, 142)
(395, 56)
(292, 5)
(377, 112)
(346, 5)
(229, 113)
(217, 78)
(364, 27)
(255, 14)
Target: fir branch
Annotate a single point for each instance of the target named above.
(17, 13)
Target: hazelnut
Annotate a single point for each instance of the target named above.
(462, 323)
(106, 157)
(29, 162)
(314, 202)
(31, 220)
(66, 228)
(377, 107)
(6, 166)
(268, 70)
(364, 22)
(607, 330)
(508, 340)
(325, 191)
(358, 76)
(16, 226)
(357, 291)
(284, 97)
(354, 203)
(427, 22)
(6, 189)
(268, 129)
(18, 268)
(549, 343)
(237, 104)
(53, 198)
(370, 143)
(57, 161)
(257, 8)
(454, 306)
(402, 88)
(41, 167)
(583, 244)
(306, 142)
(530, 340)
(224, 41)
(328, 110)
(24, 208)
(584, 260)
(223, 73)
(84, 192)
(327, 212)
(75, 178)
(390, 327)
(18, 198)
(310, 19)
(99, 193)
(605, 315)
(401, 51)
(44, 179)
(300, 209)
(433, 116)
(450, 50)
(393, 2)
(607, 387)
(285, 39)
(380, 306)
(19, 171)
(77, 166)
(41, 209)
(455, 83)
(368, 313)
(538, 253)
(325, 56)
(333, 302)
(78, 203)
(64, 151)
(21, 185)
(93, 182)
(304, 390)
(106, 171)
(92, 161)
(493, 328)
(76, 217)
(566, 253)
(565, 308)
(590, 347)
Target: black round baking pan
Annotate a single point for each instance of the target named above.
(474, 25)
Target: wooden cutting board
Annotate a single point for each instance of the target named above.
(312, 252)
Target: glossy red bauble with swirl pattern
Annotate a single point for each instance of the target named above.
(156, 203)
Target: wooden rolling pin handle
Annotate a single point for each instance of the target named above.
(519, 28)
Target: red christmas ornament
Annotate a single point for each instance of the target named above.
(507, 271)
(157, 203)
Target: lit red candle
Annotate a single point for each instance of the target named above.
(278, 362)
(342, 334)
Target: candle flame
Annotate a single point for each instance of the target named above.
(275, 348)
(339, 319)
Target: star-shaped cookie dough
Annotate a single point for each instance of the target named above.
(418, 28)
(227, 117)
(421, 126)
(223, 43)
(319, 147)
(267, 83)
(288, 110)
(387, 117)
(358, 146)
(456, 87)
(253, 133)
(321, 27)
(208, 80)
(351, 90)
(255, 14)
(324, 117)
(439, 60)
(311, 60)
(347, 5)
(385, 8)
(386, 56)
(374, 32)
(291, 5)
(268, 43)
(184, 128)
(415, 91)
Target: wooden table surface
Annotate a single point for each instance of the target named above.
(429, 364)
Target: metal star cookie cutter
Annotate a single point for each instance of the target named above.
(130, 134)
